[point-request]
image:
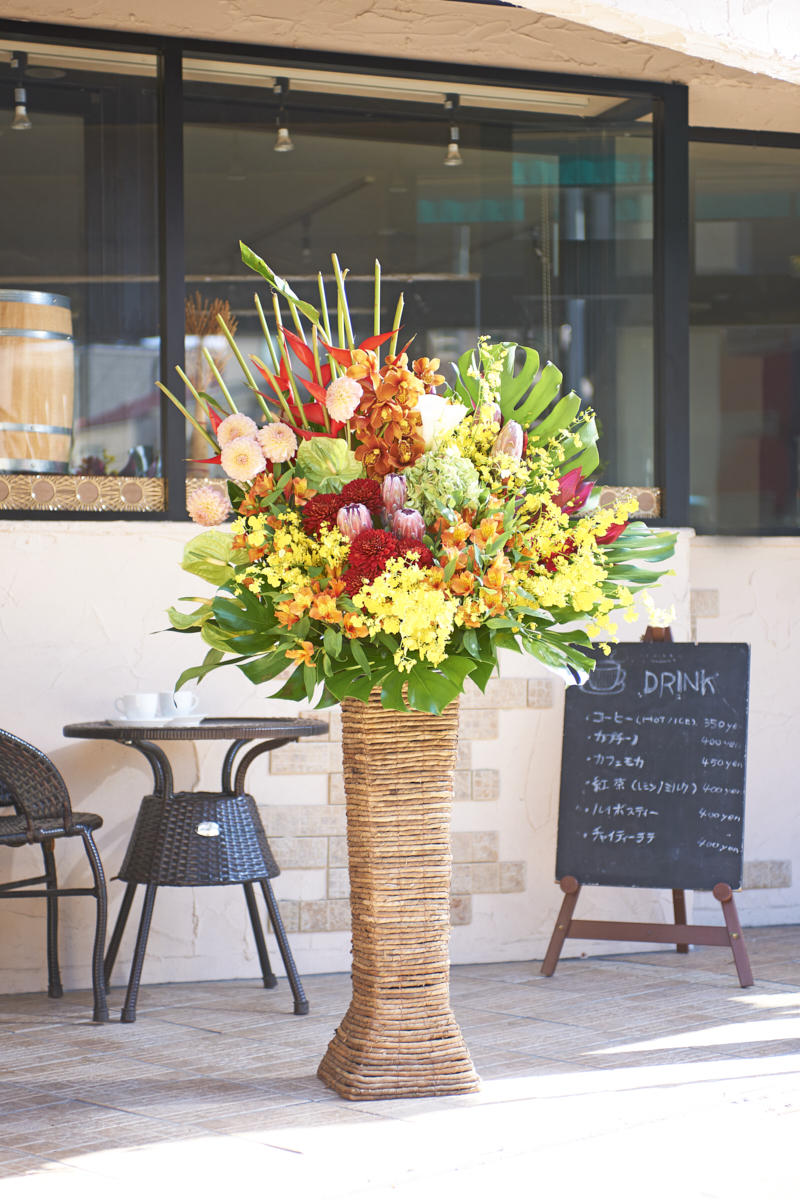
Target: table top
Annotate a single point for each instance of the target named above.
(204, 729)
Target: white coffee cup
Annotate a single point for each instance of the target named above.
(177, 704)
(138, 706)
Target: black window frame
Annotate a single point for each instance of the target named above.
(671, 136)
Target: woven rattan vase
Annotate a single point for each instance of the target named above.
(399, 1037)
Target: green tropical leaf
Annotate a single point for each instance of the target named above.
(212, 660)
(265, 667)
(428, 690)
(513, 387)
(332, 640)
(210, 556)
(559, 418)
(257, 264)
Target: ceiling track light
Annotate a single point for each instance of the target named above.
(453, 156)
(283, 140)
(21, 120)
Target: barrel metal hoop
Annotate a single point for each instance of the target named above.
(34, 466)
(7, 427)
(17, 296)
(42, 335)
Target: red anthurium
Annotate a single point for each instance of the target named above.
(610, 535)
(216, 459)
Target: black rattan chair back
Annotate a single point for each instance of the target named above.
(33, 789)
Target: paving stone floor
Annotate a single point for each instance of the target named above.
(648, 1075)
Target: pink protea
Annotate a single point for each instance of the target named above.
(393, 493)
(509, 441)
(278, 441)
(242, 459)
(408, 523)
(342, 398)
(208, 505)
(353, 519)
(235, 426)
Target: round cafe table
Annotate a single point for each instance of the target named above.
(200, 839)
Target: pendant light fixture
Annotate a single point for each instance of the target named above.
(283, 141)
(21, 119)
(453, 156)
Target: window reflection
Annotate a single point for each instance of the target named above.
(541, 235)
(78, 194)
(745, 338)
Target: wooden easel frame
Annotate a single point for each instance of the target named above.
(680, 934)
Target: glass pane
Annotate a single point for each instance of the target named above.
(79, 263)
(745, 338)
(542, 234)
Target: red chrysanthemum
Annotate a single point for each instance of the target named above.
(370, 550)
(355, 578)
(323, 507)
(408, 546)
(364, 491)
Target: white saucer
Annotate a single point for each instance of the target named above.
(192, 719)
(144, 724)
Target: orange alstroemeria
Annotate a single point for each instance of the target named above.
(496, 576)
(354, 626)
(324, 608)
(290, 611)
(303, 654)
(488, 529)
(462, 583)
(302, 492)
(457, 535)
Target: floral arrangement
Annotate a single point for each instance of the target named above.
(396, 530)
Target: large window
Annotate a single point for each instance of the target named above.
(130, 168)
(745, 337)
(79, 254)
(542, 233)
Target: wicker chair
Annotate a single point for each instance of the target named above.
(33, 789)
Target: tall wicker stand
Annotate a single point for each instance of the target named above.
(399, 1037)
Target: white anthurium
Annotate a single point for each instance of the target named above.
(439, 416)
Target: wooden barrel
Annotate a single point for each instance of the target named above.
(36, 382)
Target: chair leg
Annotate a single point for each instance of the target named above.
(54, 988)
(129, 1008)
(98, 974)
(267, 973)
(119, 929)
(300, 1001)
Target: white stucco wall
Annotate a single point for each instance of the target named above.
(756, 35)
(81, 605)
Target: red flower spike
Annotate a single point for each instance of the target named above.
(343, 357)
(303, 352)
(316, 390)
(216, 459)
(372, 343)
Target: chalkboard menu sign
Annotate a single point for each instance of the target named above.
(653, 768)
